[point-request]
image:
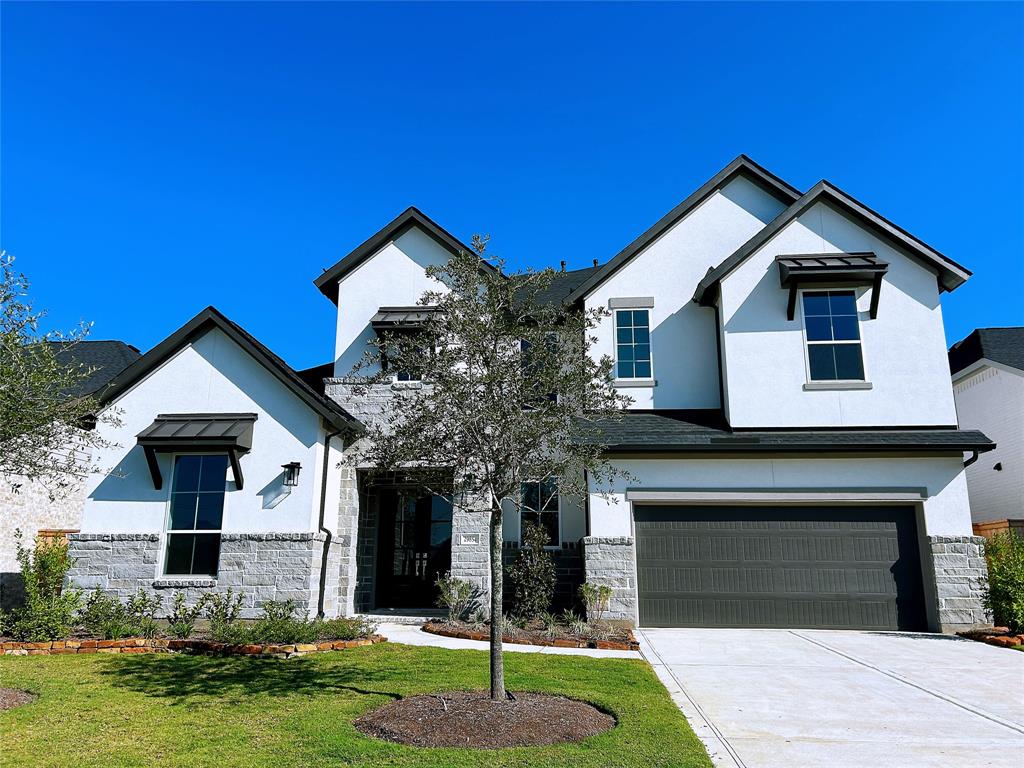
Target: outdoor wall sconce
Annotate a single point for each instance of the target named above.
(291, 473)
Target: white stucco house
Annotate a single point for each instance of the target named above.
(988, 385)
(793, 446)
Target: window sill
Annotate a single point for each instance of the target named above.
(812, 386)
(179, 582)
(407, 385)
(634, 383)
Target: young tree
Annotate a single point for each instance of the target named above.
(41, 427)
(508, 391)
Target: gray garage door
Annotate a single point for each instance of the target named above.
(834, 567)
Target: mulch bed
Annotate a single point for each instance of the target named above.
(12, 697)
(619, 639)
(162, 645)
(1000, 636)
(472, 719)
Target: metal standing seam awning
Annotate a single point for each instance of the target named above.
(401, 318)
(847, 268)
(230, 433)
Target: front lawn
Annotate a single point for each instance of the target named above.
(179, 710)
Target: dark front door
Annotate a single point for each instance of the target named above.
(415, 547)
(832, 567)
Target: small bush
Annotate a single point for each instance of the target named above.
(279, 625)
(1005, 596)
(596, 598)
(49, 610)
(223, 611)
(532, 575)
(459, 596)
(181, 622)
(107, 617)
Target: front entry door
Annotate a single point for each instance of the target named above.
(415, 547)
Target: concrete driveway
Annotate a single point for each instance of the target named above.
(791, 698)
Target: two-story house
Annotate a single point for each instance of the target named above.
(793, 450)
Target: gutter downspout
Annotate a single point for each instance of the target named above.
(327, 534)
(973, 458)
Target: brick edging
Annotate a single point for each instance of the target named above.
(161, 645)
(467, 634)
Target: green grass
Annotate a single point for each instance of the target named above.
(178, 710)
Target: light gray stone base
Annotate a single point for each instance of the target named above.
(258, 566)
(610, 561)
(471, 554)
(961, 579)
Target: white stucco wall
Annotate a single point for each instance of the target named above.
(212, 375)
(992, 400)
(904, 348)
(946, 509)
(392, 277)
(684, 354)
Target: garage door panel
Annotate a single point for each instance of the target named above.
(772, 566)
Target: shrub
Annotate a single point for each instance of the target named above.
(107, 617)
(532, 575)
(279, 625)
(49, 611)
(343, 628)
(181, 622)
(223, 610)
(596, 598)
(1005, 596)
(459, 596)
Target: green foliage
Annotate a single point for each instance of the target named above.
(1005, 596)
(596, 598)
(223, 610)
(459, 596)
(532, 575)
(181, 622)
(49, 610)
(107, 617)
(41, 435)
(280, 625)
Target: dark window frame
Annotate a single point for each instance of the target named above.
(829, 332)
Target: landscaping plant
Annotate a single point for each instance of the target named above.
(223, 609)
(510, 395)
(532, 575)
(457, 595)
(1005, 596)
(181, 622)
(107, 617)
(49, 610)
(596, 599)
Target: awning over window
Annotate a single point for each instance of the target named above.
(799, 270)
(229, 433)
(401, 318)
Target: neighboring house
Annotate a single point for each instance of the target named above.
(25, 505)
(988, 385)
(793, 450)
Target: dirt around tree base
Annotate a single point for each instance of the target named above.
(12, 697)
(471, 719)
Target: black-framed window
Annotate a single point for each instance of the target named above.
(833, 336)
(633, 344)
(196, 514)
(540, 505)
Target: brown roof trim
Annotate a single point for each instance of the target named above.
(198, 326)
(327, 283)
(742, 165)
(950, 274)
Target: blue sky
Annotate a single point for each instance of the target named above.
(157, 158)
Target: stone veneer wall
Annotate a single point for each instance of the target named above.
(610, 561)
(568, 575)
(960, 581)
(258, 566)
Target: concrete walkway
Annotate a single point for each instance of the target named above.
(413, 635)
(792, 698)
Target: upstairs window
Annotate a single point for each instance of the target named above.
(197, 509)
(632, 344)
(833, 336)
(540, 506)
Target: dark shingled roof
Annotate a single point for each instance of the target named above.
(705, 431)
(1000, 345)
(564, 283)
(105, 359)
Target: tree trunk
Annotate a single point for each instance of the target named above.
(497, 622)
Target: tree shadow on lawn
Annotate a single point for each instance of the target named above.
(186, 678)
